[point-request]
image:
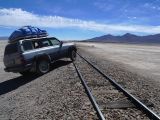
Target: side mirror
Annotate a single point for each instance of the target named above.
(61, 43)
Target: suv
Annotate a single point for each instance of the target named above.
(36, 55)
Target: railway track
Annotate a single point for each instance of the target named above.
(94, 87)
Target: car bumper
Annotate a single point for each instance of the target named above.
(19, 68)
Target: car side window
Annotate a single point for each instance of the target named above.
(27, 45)
(45, 43)
(36, 44)
(54, 41)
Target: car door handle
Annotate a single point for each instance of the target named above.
(40, 53)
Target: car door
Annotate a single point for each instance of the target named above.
(56, 48)
(45, 46)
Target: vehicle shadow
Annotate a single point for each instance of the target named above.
(12, 84)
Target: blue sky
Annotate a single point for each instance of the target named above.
(81, 19)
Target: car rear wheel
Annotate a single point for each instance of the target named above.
(43, 66)
(73, 55)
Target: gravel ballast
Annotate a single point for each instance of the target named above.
(105, 94)
(143, 88)
(55, 95)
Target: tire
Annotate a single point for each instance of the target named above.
(25, 73)
(43, 66)
(73, 55)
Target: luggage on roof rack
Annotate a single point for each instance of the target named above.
(27, 32)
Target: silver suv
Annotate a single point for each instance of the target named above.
(36, 55)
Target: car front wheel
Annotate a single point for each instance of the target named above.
(73, 55)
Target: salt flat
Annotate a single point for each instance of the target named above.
(142, 59)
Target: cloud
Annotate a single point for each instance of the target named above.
(152, 5)
(16, 17)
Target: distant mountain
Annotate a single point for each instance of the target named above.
(127, 38)
(3, 38)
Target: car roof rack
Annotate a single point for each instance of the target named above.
(35, 38)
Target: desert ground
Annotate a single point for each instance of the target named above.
(59, 94)
(55, 95)
(142, 59)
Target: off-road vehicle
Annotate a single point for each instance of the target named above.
(36, 54)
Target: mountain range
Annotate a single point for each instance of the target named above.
(126, 38)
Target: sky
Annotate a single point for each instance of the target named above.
(81, 19)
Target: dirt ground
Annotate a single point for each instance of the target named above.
(142, 59)
(59, 93)
(53, 96)
(110, 59)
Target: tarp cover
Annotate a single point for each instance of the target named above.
(27, 32)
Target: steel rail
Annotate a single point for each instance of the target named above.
(135, 101)
(91, 98)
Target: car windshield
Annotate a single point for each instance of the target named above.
(54, 41)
